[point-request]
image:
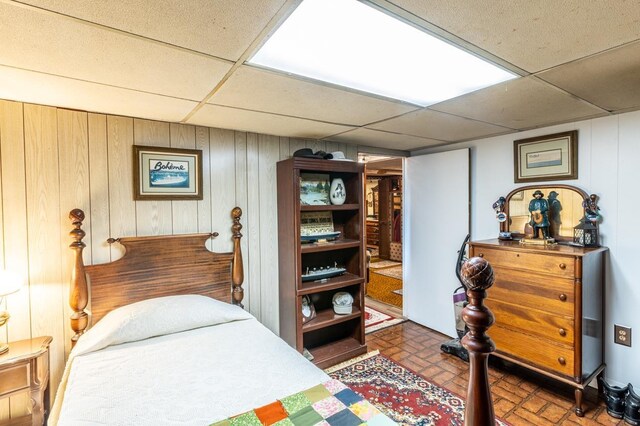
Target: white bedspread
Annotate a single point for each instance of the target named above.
(194, 377)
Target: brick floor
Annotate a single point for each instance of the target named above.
(519, 396)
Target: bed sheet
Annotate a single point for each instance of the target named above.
(194, 377)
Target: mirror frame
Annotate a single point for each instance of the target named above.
(519, 235)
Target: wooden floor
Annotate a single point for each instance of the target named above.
(520, 397)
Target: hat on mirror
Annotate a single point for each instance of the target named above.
(342, 303)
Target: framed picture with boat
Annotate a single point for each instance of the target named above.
(167, 173)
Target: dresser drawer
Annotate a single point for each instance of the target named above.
(533, 350)
(553, 327)
(14, 379)
(560, 266)
(549, 294)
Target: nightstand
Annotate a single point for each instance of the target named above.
(25, 368)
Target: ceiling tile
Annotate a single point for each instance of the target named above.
(264, 90)
(33, 87)
(381, 139)
(41, 41)
(520, 104)
(259, 122)
(217, 27)
(610, 80)
(534, 35)
(437, 125)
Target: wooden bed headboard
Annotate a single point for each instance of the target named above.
(152, 267)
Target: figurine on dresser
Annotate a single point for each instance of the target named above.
(539, 209)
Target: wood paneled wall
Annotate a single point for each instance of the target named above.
(53, 160)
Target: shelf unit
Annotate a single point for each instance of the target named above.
(331, 338)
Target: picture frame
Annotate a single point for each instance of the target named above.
(166, 173)
(314, 189)
(546, 158)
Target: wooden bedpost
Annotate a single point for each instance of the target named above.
(237, 271)
(477, 276)
(78, 296)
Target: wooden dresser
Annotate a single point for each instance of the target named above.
(548, 305)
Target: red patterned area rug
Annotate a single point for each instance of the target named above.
(404, 396)
(375, 320)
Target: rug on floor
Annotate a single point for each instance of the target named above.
(381, 287)
(375, 320)
(393, 272)
(404, 396)
(379, 264)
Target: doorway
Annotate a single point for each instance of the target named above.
(384, 211)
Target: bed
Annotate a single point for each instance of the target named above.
(170, 343)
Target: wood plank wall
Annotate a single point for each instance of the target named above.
(54, 160)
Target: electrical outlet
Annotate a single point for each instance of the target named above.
(622, 335)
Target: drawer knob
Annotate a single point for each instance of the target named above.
(562, 266)
(563, 297)
(562, 361)
(480, 254)
(562, 332)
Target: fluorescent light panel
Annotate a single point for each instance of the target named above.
(348, 43)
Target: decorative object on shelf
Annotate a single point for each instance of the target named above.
(9, 284)
(314, 189)
(314, 224)
(506, 236)
(316, 274)
(339, 156)
(337, 192)
(328, 236)
(308, 153)
(342, 303)
(308, 309)
(545, 158)
(307, 354)
(167, 173)
(614, 398)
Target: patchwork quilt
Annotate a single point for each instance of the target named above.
(328, 404)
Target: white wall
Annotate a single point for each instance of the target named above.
(609, 166)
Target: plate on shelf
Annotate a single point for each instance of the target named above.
(323, 236)
(323, 273)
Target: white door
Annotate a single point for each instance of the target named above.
(436, 192)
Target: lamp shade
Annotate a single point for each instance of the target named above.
(10, 282)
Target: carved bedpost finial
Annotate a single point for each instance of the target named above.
(477, 276)
(237, 271)
(78, 296)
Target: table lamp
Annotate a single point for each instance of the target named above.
(9, 283)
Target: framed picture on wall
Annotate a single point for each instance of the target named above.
(166, 173)
(545, 158)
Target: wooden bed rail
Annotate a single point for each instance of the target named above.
(477, 275)
(153, 266)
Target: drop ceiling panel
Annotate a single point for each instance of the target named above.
(217, 27)
(534, 35)
(437, 125)
(381, 139)
(259, 122)
(268, 91)
(610, 80)
(56, 45)
(520, 104)
(33, 87)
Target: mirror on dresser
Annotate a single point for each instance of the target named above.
(566, 209)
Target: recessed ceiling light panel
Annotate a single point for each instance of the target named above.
(348, 43)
